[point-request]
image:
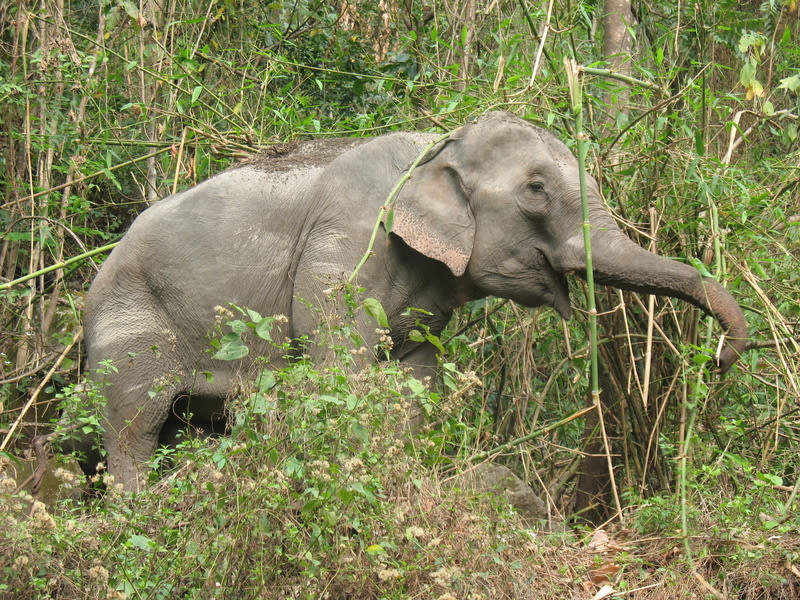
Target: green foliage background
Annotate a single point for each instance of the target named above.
(108, 106)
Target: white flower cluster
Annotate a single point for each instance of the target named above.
(385, 340)
(40, 518)
(320, 469)
(445, 576)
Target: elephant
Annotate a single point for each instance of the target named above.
(492, 209)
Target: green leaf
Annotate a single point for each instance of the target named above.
(375, 550)
(131, 9)
(238, 326)
(266, 381)
(416, 387)
(375, 310)
(141, 541)
(747, 74)
(253, 315)
(231, 347)
(261, 405)
(293, 467)
(352, 401)
(436, 342)
(331, 399)
(359, 432)
(790, 83)
(196, 93)
(358, 487)
(415, 336)
(770, 478)
(791, 131)
(264, 328)
(700, 266)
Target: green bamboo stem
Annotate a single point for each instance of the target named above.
(683, 459)
(699, 392)
(620, 77)
(61, 265)
(576, 95)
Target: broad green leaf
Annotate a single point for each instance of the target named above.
(141, 541)
(358, 487)
(790, 83)
(746, 74)
(375, 549)
(261, 405)
(437, 343)
(266, 381)
(231, 347)
(238, 326)
(416, 387)
(131, 9)
(375, 310)
(264, 328)
(770, 478)
(253, 315)
(293, 467)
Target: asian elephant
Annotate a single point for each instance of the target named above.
(494, 209)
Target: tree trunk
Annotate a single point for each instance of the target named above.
(617, 49)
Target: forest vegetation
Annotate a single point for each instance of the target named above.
(671, 483)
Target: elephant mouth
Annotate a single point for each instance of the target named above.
(528, 278)
(558, 289)
(542, 285)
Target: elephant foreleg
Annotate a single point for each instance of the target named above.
(131, 432)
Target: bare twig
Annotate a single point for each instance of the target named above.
(35, 395)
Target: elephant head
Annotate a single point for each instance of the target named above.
(499, 203)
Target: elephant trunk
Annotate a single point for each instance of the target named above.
(619, 262)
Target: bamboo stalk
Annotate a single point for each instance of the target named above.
(576, 97)
(386, 208)
(61, 265)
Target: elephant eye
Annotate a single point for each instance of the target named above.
(537, 187)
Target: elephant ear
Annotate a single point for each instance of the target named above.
(432, 214)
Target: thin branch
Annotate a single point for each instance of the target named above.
(75, 338)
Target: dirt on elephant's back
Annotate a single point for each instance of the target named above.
(300, 154)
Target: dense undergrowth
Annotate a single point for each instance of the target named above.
(320, 492)
(106, 106)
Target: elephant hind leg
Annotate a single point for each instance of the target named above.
(200, 411)
(139, 419)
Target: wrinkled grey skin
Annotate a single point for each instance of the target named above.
(494, 210)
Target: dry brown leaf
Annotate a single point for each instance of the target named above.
(601, 575)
